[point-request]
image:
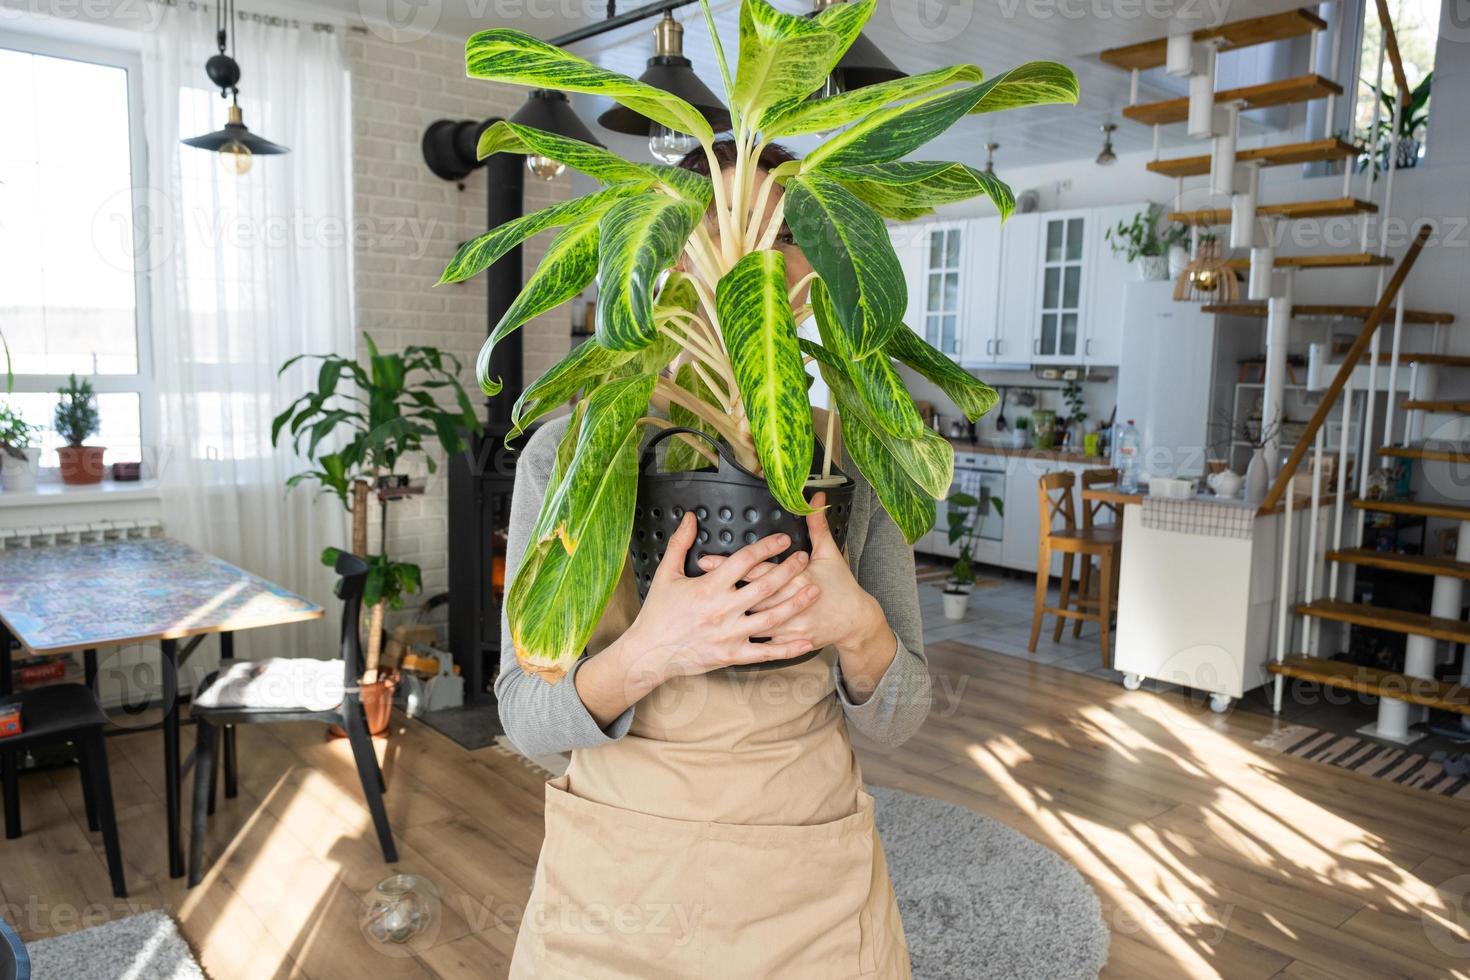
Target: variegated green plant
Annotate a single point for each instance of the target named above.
(699, 328)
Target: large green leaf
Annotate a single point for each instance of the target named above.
(558, 597)
(760, 334)
(906, 190)
(785, 57)
(911, 508)
(567, 267)
(478, 254)
(640, 239)
(506, 55)
(822, 115)
(973, 396)
(587, 361)
(898, 130)
(928, 459)
(596, 162)
(878, 385)
(850, 248)
(612, 412)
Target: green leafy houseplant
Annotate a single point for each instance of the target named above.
(1412, 121)
(713, 344)
(1140, 236)
(76, 420)
(966, 516)
(15, 433)
(383, 413)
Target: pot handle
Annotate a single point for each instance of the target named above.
(662, 434)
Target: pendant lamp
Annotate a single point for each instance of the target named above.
(237, 146)
(861, 65)
(1207, 279)
(670, 71)
(551, 112)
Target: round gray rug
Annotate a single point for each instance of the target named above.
(981, 900)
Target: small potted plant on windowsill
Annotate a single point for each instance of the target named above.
(966, 517)
(76, 420)
(18, 458)
(1141, 242)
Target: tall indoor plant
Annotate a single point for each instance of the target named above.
(714, 344)
(382, 413)
(76, 420)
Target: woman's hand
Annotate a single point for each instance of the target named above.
(695, 625)
(843, 615)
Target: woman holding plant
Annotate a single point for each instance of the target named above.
(713, 821)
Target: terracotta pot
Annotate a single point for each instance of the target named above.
(81, 464)
(377, 704)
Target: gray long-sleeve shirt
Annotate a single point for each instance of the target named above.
(542, 718)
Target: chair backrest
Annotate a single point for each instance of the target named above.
(1056, 503)
(350, 587)
(15, 962)
(1101, 477)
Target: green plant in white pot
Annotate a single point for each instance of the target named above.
(966, 517)
(18, 457)
(1141, 242)
(696, 319)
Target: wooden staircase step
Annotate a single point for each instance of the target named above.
(1440, 452)
(1415, 508)
(1383, 618)
(1417, 357)
(1449, 407)
(1285, 91)
(1296, 210)
(1241, 34)
(1440, 695)
(1327, 310)
(1282, 155)
(1346, 260)
(1394, 562)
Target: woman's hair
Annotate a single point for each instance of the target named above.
(772, 156)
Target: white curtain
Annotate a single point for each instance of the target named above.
(246, 272)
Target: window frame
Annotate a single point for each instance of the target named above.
(141, 383)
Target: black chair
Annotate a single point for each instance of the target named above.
(15, 962)
(216, 724)
(67, 713)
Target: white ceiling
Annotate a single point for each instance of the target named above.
(917, 35)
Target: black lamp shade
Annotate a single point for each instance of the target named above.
(236, 133)
(551, 112)
(863, 65)
(673, 74)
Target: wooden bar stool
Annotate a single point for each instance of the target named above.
(1068, 540)
(1092, 510)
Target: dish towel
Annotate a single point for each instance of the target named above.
(1203, 517)
(280, 682)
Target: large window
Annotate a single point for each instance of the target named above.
(1416, 25)
(72, 293)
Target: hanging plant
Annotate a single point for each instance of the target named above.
(713, 344)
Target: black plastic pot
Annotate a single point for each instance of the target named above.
(733, 506)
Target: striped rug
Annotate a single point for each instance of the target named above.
(1368, 758)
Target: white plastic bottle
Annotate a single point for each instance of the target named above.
(1126, 457)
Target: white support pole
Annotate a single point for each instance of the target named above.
(1343, 442)
(1368, 171)
(1395, 716)
(1283, 598)
(1369, 457)
(1278, 329)
(1222, 150)
(1202, 94)
(1313, 522)
(1243, 210)
(1414, 424)
(1156, 142)
(1393, 370)
(1335, 29)
(1133, 87)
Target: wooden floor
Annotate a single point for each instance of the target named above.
(1211, 857)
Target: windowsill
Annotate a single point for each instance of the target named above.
(47, 494)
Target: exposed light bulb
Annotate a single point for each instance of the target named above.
(1107, 157)
(544, 168)
(669, 145)
(235, 158)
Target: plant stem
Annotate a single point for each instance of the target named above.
(827, 445)
(778, 216)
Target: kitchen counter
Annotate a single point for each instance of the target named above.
(1300, 500)
(1006, 449)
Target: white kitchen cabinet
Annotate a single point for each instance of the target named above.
(980, 341)
(1023, 517)
(939, 314)
(1019, 245)
(1061, 294)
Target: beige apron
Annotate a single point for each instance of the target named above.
(726, 835)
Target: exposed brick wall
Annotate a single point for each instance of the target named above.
(410, 222)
